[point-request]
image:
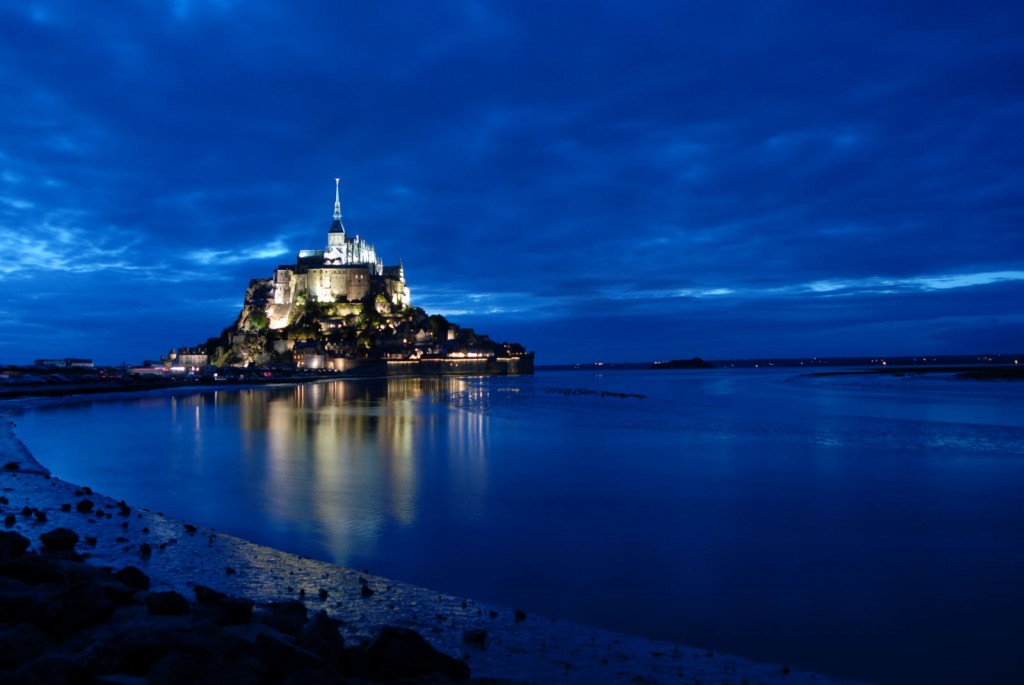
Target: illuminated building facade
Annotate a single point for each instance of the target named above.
(347, 270)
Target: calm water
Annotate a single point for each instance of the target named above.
(867, 527)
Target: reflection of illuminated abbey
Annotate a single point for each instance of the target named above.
(348, 270)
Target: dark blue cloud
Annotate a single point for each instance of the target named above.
(749, 178)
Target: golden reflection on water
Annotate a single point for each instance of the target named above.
(187, 414)
(351, 457)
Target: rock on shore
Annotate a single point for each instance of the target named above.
(69, 622)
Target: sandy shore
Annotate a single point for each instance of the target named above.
(524, 649)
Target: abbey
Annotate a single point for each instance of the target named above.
(340, 309)
(347, 270)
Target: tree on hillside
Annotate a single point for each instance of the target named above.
(257, 320)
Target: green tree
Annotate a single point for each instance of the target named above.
(257, 320)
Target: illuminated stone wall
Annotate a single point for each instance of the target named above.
(397, 291)
(282, 286)
(336, 283)
(193, 360)
(330, 284)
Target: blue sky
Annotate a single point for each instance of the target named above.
(599, 181)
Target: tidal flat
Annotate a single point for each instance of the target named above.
(865, 526)
(499, 644)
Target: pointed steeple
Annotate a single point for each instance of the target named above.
(337, 226)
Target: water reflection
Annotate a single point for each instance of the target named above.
(342, 460)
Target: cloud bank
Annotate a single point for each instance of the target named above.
(595, 180)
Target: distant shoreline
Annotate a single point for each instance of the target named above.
(11, 391)
(980, 373)
(143, 384)
(933, 362)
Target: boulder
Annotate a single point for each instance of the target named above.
(35, 604)
(282, 656)
(234, 671)
(173, 669)
(84, 603)
(59, 539)
(99, 654)
(49, 668)
(141, 650)
(21, 643)
(396, 653)
(167, 603)
(237, 611)
(12, 545)
(34, 569)
(148, 640)
(133, 577)
(320, 635)
(286, 617)
(207, 595)
(216, 607)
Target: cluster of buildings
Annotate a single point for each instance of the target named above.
(66, 363)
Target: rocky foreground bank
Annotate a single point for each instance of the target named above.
(93, 590)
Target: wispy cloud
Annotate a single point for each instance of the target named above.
(211, 257)
(455, 302)
(60, 248)
(915, 283)
(17, 203)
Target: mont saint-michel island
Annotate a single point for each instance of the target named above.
(341, 309)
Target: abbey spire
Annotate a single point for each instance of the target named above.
(346, 270)
(337, 226)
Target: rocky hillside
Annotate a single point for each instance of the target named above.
(266, 334)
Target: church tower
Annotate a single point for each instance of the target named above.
(336, 236)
